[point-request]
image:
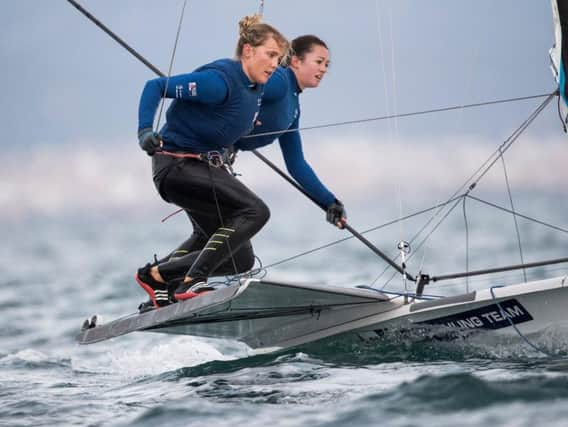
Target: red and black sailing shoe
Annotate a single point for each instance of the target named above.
(148, 305)
(158, 291)
(191, 289)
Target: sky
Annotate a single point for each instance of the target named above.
(70, 94)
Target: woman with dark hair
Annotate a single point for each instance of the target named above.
(213, 107)
(279, 118)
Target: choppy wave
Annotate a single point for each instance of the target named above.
(57, 271)
(391, 393)
(33, 359)
(184, 381)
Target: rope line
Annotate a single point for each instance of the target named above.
(518, 232)
(369, 230)
(423, 241)
(508, 317)
(537, 221)
(394, 116)
(162, 103)
(466, 226)
(483, 170)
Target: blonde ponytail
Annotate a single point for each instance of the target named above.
(247, 22)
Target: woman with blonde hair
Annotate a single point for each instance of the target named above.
(212, 108)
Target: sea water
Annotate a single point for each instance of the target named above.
(59, 269)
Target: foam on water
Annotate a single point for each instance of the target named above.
(163, 357)
(75, 255)
(25, 356)
(152, 356)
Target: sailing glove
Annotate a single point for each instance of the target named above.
(336, 213)
(149, 141)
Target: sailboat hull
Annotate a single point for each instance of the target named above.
(523, 309)
(269, 315)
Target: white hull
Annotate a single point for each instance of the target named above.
(531, 307)
(268, 315)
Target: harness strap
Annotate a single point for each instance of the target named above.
(179, 155)
(216, 159)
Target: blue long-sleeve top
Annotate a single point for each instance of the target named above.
(212, 108)
(280, 111)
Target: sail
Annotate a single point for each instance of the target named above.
(559, 52)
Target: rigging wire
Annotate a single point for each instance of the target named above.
(338, 241)
(443, 219)
(400, 115)
(382, 56)
(514, 216)
(459, 128)
(390, 100)
(532, 219)
(423, 241)
(256, 272)
(478, 175)
(261, 8)
(163, 101)
(481, 171)
(508, 317)
(521, 129)
(253, 272)
(395, 121)
(413, 215)
(466, 226)
(382, 60)
(178, 32)
(221, 221)
(515, 135)
(492, 159)
(502, 277)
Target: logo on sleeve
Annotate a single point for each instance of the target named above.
(192, 86)
(179, 91)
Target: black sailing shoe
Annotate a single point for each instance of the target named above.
(158, 291)
(146, 306)
(191, 289)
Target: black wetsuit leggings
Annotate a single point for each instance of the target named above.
(224, 213)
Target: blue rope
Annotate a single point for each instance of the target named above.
(506, 316)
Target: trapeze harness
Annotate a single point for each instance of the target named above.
(223, 211)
